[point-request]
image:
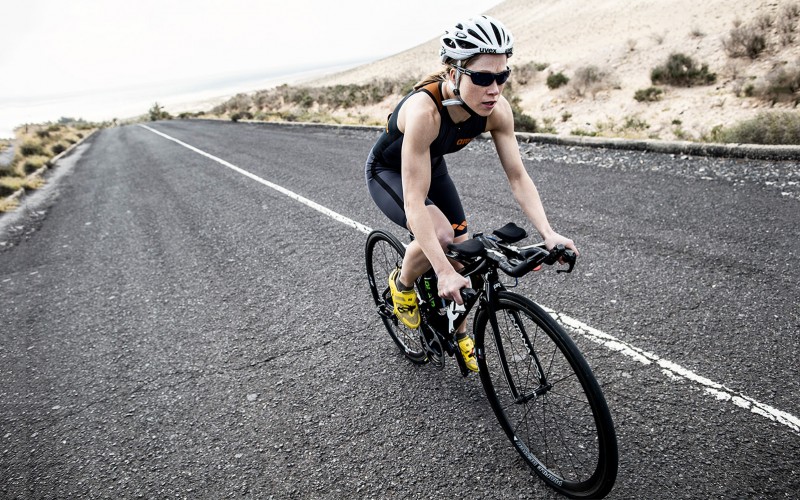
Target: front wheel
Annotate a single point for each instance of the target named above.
(546, 398)
(384, 253)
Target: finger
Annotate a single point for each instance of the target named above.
(454, 296)
(570, 245)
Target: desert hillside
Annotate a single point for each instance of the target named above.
(623, 41)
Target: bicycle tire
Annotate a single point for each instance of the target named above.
(564, 432)
(383, 253)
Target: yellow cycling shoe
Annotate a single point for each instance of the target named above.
(467, 347)
(406, 307)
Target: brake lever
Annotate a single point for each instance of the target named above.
(468, 294)
(560, 252)
(570, 258)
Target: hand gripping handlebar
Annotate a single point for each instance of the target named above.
(516, 269)
(513, 261)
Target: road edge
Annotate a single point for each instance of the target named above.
(19, 194)
(712, 149)
(716, 150)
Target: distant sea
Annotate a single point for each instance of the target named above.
(130, 102)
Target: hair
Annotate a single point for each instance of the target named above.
(441, 75)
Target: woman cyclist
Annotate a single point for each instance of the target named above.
(406, 172)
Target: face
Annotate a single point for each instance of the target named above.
(482, 100)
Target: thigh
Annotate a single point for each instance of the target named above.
(444, 195)
(386, 189)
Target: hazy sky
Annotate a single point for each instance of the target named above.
(98, 59)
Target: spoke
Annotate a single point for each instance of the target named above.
(566, 448)
(559, 426)
(569, 375)
(582, 400)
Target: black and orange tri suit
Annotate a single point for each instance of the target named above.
(384, 163)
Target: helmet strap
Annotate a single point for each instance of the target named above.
(457, 101)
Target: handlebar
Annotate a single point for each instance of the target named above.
(513, 261)
(557, 254)
(467, 294)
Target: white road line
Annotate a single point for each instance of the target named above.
(291, 194)
(670, 369)
(678, 372)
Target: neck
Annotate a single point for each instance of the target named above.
(457, 113)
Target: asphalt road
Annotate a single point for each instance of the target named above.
(172, 328)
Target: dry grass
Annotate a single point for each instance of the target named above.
(35, 147)
(765, 128)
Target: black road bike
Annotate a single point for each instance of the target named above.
(543, 392)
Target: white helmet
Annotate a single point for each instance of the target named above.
(480, 35)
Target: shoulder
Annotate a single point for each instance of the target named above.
(419, 116)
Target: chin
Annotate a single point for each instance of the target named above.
(484, 110)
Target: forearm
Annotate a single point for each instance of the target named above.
(527, 196)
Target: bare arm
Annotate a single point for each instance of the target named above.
(501, 126)
(419, 121)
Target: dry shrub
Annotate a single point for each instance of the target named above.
(681, 70)
(765, 128)
(303, 103)
(31, 147)
(591, 80)
(786, 30)
(556, 80)
(787, 24)
(791, 10)
(36, 144)
(525, 73)
(764, 21)
(650, 94)
(745, 40)
(780, 84)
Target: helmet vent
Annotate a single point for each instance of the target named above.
(466, 45)
(478, 36)
(497, 35)
(486, 35)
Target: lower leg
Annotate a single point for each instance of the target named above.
(414, 265)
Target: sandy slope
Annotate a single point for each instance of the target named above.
(625, 38)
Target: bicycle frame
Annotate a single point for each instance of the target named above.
(485, 297)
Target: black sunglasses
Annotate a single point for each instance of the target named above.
(482, 79)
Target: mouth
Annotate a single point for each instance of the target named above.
(489, 104)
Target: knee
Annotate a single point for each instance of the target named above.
(445, 235)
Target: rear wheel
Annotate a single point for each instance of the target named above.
(384, 253)
(546, 398)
